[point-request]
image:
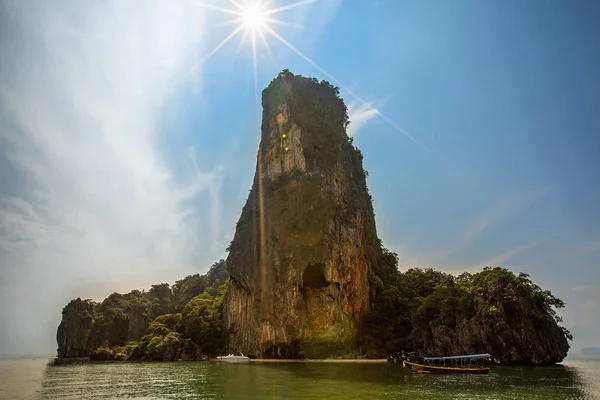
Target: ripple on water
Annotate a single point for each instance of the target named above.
(205, 380)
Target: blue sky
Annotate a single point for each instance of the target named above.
(124, 161)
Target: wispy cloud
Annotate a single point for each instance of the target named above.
(510, 254)
(80, 90)
(510, 205)
(454, 253)
(211, 181)
(503, 259)
(314, 17)
(359, 115)
(589, 247)
(455, 266)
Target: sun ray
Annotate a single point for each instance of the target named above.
(290, 6)
(340, 84)
(263, 246)
(255, 70)
(266, 43)
(237, 21)
(277, 22)
(215, 49)
(241, 43)
(217, 8)
(235, 3)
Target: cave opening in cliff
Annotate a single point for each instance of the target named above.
(314, 276)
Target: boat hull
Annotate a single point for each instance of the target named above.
(428, 369)
(235, 360)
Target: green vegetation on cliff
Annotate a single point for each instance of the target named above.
(491, 311)
(187, 335)
(164, 323)
(425, 310)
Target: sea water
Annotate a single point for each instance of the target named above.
(38, 378)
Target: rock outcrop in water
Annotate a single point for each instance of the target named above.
(493, 311)
(306, 242)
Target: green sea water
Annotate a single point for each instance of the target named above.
(578, 378)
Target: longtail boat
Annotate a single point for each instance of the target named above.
(469, 364)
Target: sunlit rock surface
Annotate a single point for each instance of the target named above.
(306, 241)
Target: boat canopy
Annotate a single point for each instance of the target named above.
(457, 357)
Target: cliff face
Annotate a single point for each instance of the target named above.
(306, 242)
(518, 340)
(437, 314)
(75, 329)
(499, 313)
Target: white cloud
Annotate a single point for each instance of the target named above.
(507, 207)
(501, 260)
(312, 18)
(453, 255)
(80, 90)
(359, 115)
(212, 182)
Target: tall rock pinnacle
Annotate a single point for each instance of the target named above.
(306, 243)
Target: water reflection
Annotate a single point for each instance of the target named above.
(143, 380)
(206, 380)
(391, 381)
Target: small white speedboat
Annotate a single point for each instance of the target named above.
(234, 358)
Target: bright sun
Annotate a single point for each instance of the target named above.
(253, 16)
(258, 18)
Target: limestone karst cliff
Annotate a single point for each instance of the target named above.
(492, 311)
(305, 243)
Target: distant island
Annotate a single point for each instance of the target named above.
(591, 351)
(307, 276)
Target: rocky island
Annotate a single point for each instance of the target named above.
(307, 276)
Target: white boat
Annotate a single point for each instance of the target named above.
(234, 358)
